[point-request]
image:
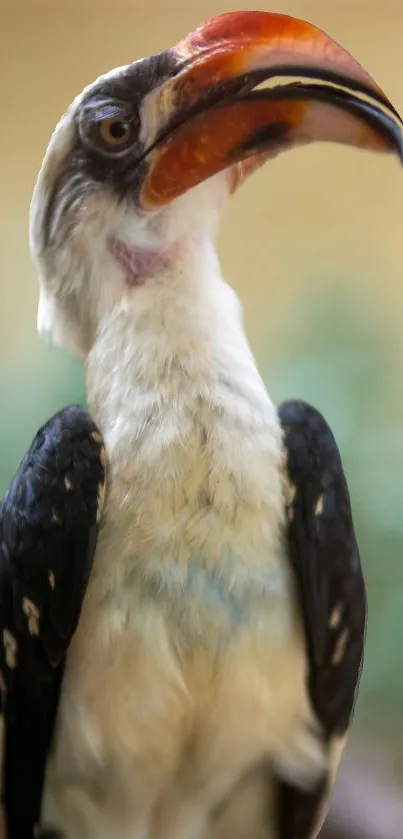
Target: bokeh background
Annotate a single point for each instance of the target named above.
(313, 244)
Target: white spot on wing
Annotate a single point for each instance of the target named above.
(10, 646)
(32, 613)
(340, 647)
(319, 506)
(335, 617)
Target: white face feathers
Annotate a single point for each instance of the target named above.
(91, 242)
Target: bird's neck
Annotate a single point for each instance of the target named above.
(171, 346)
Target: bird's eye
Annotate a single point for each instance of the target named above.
(115, 132)
(110, 128)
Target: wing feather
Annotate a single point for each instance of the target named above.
(323, 552)
(48, 532)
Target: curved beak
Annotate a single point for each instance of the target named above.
(225, 106)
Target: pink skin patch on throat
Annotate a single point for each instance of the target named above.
(139, 264)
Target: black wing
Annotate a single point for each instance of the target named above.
(324, 555)
(48, 532)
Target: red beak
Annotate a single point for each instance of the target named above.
(217, 112)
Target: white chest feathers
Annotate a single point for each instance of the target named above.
(187, 671)
(186, 678)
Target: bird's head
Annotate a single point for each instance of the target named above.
(139, 166)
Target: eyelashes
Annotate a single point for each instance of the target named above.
(109, 128)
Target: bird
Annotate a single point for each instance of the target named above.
(183, 606)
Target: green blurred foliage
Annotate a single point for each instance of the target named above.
(333, 350)
(31, 393)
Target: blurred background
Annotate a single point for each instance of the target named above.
(313, 244)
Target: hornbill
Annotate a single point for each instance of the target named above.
(189, 672)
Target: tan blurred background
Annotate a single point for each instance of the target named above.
(313, 244)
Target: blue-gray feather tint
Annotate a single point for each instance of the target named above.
(324, 555)
(48, 532)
